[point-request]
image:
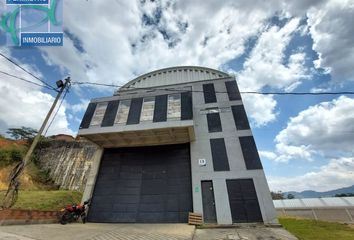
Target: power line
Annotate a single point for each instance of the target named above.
(13, 62)
(62, 100)
(25, 80)
(243, 92)
(97, 84)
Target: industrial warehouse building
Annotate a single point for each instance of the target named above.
(175, 141)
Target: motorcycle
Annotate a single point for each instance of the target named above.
(72, 213)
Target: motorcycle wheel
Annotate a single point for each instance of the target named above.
(67, 217)
(83, 217)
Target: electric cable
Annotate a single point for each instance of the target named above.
(25, 80)
(243, 92)
(22, 68)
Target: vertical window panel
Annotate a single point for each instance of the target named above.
(98, 115)
(186, 106)
(135, 111)
(240, 117)
(123, 111)
(209, 93)
(219, 154)
(110, 114)
(232, 90)
(214, 122)
(160, 111)
(250, 153)
(85, 123)
(174, 106)
(147, 112)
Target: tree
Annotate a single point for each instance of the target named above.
(344, 195)
(277, 195)
(290, 196)
(24, 133)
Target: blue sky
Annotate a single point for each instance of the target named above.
(305, 142)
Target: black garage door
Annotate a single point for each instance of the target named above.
(143, 184)
(243, 201)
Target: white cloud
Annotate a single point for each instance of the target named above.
(118, 47)
(332, 32)
(79, 107)
(336, 174)
(326, 128)
(129, 46)
(267, 155)
(265, 67)
(24, 104)
(260, 108)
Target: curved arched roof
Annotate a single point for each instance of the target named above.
(174, 75)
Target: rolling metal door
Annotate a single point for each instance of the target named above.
(144, 185)
(243, 201)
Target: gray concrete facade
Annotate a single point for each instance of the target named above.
(196, 133)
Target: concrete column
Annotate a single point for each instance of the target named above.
(91, 179)
(222, 204)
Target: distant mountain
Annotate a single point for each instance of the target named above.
(314, 194)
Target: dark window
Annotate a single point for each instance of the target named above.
(85, 123)
(219, 154)
(186, 106)
(209, 93)
(240, 117)
(110, 114)
(214, 123)
(135, 111)
(232, 90)
(160, 111)
(250, 153)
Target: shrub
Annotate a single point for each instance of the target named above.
(15, 155)
(4, 156)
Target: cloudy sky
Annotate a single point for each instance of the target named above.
(305, 142)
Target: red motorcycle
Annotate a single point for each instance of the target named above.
(72, 213)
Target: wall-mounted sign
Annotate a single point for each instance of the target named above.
(202, 162)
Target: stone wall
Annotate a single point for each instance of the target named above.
(68, 163)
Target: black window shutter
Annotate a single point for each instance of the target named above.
(160, 110)
(86, 120)
(214, 122)
(209, 93)
(110, 114)
(135, 111)
(240, 117)
(250, 153)
(186, 106)
(219, 154)
(232, 90)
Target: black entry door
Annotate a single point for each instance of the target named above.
(143, 184)
(243, 201)
(209, 211)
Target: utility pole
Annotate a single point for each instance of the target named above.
(11, 194)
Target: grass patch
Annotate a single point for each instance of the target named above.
(46, 200)
(306, 229)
